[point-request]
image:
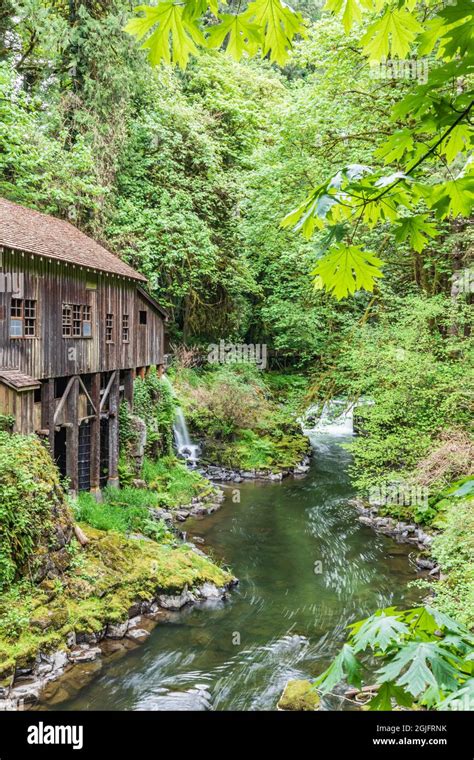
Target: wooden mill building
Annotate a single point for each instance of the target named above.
(76, 325)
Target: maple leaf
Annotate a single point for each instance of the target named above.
(241, 35)
(416, 229)
(394, 32)
(395, 147)
(453, 198)
(279, 25)
(458, 141)
(347, 268)
(378, 631)
(174, 38)
(344, 666)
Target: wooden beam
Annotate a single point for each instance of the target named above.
(113, 479)
(129, 377)
(107, 390)
(95, 435)
(47, 411)
(87, 393)
(64, 397)
(72, 435)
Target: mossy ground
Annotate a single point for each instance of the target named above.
(104, 580)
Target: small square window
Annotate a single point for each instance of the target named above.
(17, 307)
(109, 328)
(125, 328)
(143, 316)
(22, 318)
(77, 320)
(16, 328)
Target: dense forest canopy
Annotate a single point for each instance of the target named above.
(188, 174)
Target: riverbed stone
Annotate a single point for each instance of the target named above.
(176, 602)
(84, 653)
(300, 696)
(139, 635)
(117, 630)
(209, 591)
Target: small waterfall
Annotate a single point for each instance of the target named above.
(336, 418)
(185, 447)
(182, 440)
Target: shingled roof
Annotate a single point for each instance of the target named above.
(33, 232)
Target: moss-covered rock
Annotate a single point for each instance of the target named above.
(35, 522)
(107, 578)
(299, 695)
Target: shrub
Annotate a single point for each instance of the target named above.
(172, 483)
(35, 520)
(123, 510)
(153, 401)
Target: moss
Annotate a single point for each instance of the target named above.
(113, 573)
(35, 521)
(299, 695)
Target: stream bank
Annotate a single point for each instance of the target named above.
(306, 569)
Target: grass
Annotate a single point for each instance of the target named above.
(123, 511)
(172, 483)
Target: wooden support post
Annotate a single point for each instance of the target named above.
(95, 435)
(129, 376)
(114, 398)
(141, 372)
(72, 436)
(160, 368)
(47, 411)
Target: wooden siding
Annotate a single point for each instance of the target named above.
(52, 283)
(21, 406)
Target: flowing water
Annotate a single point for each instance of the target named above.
(307, 568)
(184, 446)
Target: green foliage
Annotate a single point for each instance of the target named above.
(424, 155)
(124, 510)
(172, 484)
(418, 377)
(6, 423)
(453, 550)
(423, 656)
(359, 194)
(153, 402)
(32, 505)
(36, 169)
(233, 410)
(270, 25)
